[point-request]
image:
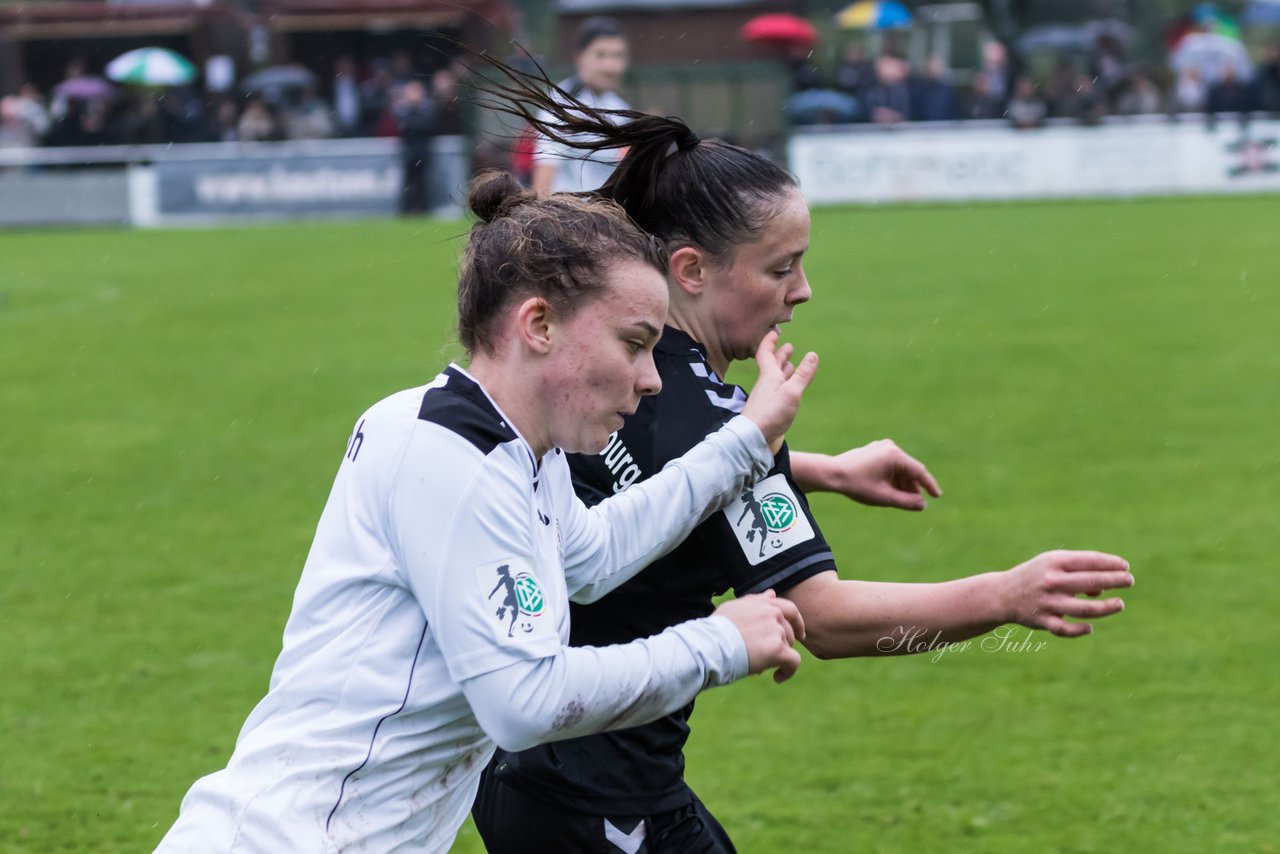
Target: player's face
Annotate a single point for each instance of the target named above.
(761, 283)
(601, 362)
(601, 64)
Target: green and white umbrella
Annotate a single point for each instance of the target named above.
(151, 66)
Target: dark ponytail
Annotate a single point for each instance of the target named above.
(685, 190)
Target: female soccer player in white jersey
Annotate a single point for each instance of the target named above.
(737, 229)
(431, 619)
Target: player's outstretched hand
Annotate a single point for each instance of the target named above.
(1042, 591)
(880, 475)
(770, 627)
(775, 398)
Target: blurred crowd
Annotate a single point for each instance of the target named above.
(393, 96)
(390, 97)
(885, 89)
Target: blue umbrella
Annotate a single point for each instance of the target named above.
(814, 105)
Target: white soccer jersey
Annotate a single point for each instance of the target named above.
(578, 170)
(438, 584)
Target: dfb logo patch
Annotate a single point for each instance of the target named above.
(768, 519)
(514, 594)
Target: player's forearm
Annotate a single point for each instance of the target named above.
(627, 532)
(585, 690)
(809, 471)
(862, 618)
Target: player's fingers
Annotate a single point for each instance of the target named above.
(805, 372)
(787, 666)
(1060, 627)
(1069, 606)
(907, 500)
(1080, 582)
(783, 356)
(764, 353)
(1087, 561)
(922, 476)
(792, 615)
(788, 633)
(787, 370)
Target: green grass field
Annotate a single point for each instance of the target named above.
(1100, 375)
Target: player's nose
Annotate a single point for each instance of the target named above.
(648, 382)
(801, 292)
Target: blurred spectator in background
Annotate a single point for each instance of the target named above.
(348, 111)
(1086, 104)
(308, 116)
(375, 98)
(446, 89)
(83, 123)
(14, 132)
(416, 114)
(184, 115)
(805, 74)
(223, 127)
(1229, 95)
(1190, 93)
(995, 72)
(933, 99)
(60, 103)
(600, 59)
(1059, 89)
(855, 72)
(24, 121)
(1109, 70)
(982, 104)
(1026, 108)
(141, 121)
(1267, 81)
(402, 69)
(1141, 97)
(888, 98)
(257, 124)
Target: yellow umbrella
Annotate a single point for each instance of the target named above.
(873, 15)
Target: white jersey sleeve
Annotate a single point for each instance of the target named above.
(463, 536)
(584, 690)
(606, 545)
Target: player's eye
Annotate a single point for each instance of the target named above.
(635, 347)
(782, 274)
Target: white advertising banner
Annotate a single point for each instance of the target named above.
(872, 166)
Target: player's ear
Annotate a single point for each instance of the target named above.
(688, 268)
(533, 325)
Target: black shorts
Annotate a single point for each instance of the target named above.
(512, 821)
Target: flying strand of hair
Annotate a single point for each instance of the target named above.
(535, 98)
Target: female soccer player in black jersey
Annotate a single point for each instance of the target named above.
(736, 228)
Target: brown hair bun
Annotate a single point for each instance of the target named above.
(494, 194)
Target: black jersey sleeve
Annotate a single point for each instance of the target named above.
(767, 538)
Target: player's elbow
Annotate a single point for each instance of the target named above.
(828, 642)
(589, 594)
(512, 729)
(820, 646)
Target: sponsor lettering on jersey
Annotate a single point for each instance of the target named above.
(517, 594)
(767, 519)
(620, 463)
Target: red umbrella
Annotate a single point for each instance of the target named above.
(780, 30)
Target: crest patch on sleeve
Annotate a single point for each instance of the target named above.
(768, 519)
(514, 595)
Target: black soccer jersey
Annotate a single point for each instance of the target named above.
(766, 539)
